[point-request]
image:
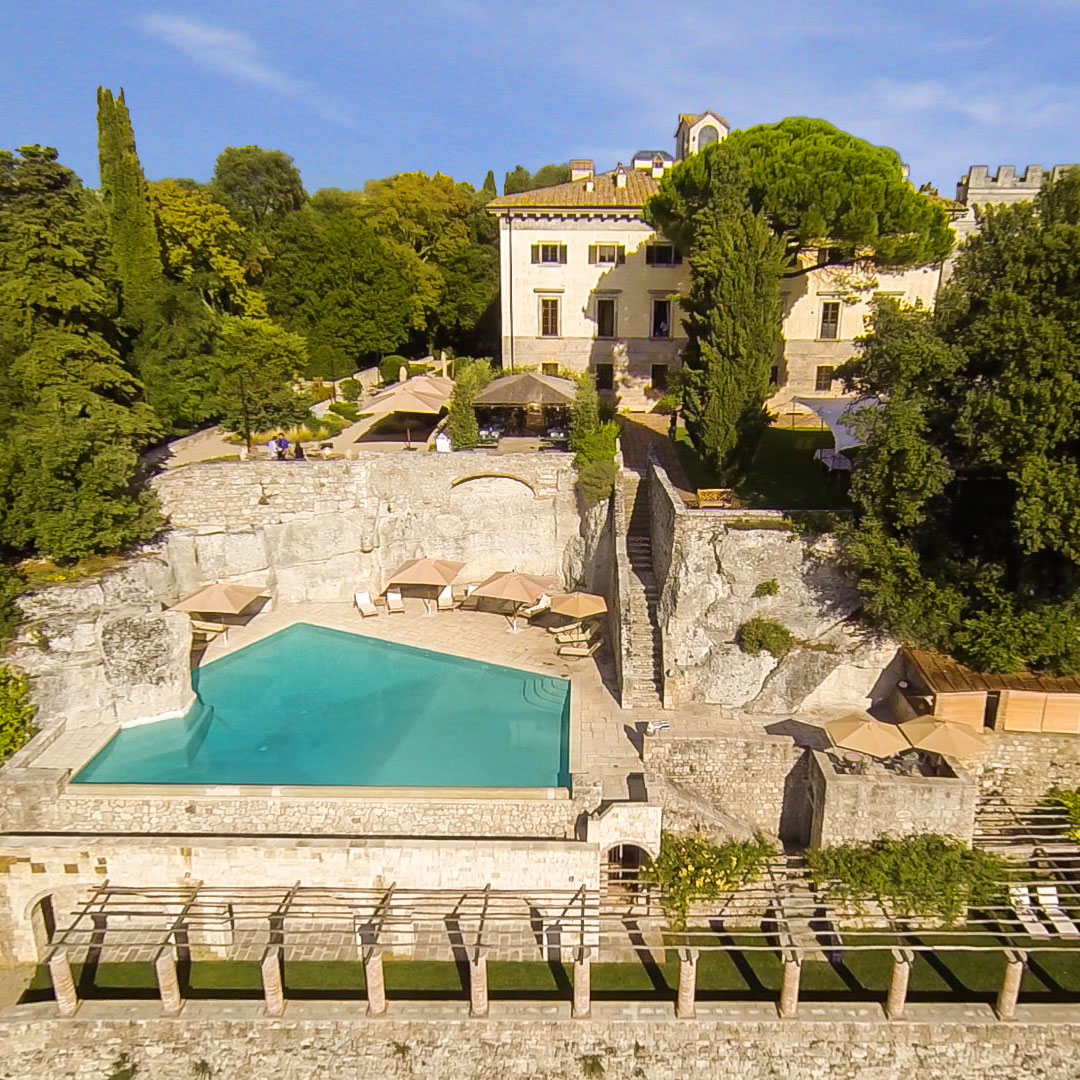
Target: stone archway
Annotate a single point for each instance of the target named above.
(622, 867)
(42, 923)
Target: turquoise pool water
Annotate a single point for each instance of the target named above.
(315, 706)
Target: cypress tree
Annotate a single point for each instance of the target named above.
(489, 187)
(130, 217)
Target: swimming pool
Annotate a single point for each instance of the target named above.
(312, 706)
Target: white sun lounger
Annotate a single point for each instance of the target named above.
(1050, 902)
(363, 603)
(566, 628)
(394, 603)
(445, 601)
(1021, 902)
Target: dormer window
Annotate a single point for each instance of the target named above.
(662, 255)
(549, 254)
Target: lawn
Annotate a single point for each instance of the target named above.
(743, 974)
(783, 474)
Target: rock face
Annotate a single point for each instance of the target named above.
(147, 663)
(710, 565)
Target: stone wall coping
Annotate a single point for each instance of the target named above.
(721, 740)
(712, 514)
(215, 792)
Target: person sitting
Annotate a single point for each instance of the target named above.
(298, 452)
(281, 444)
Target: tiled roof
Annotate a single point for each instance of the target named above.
(640, 186)
(690, 119)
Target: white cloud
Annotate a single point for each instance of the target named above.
(237, 56)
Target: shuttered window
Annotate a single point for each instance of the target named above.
(607, 254)
(662, 255)
(549, 254)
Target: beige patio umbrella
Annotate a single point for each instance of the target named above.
(521, 590)
(413, 396)
(940, 737)
(865, 735)
(436, 573)
(220, 598)
(578, 605)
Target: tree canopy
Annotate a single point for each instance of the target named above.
(968, 487)
(775, 201)
(520, 179)
(259, 185)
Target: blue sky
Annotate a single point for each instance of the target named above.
(355, 90)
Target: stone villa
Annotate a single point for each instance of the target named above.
(588, 285)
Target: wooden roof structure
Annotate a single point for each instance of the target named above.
(943, 675)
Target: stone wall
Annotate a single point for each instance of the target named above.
(65, 867)
(708, 564)
(321, 531)
(852, 808)
(1023, 766)
(314, 1040)
(750, 780)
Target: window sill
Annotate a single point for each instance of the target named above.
(549, 337)
(828, 340)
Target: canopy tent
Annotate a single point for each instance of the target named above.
(221, 599)
(941, 737)
(865, 735)
(520, 590)
(836, 414)
(423, 394)
(529, 388)
(578, 605)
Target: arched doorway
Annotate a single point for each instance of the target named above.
(623, 867)
(43, 924)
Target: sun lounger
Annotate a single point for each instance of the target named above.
(579, 651)
(363, 603)
(1021, 902)
(1047, 896)
(581, 636)
(207, 631)
(394, 603)
(541, 605)
(566, 628)
(445, 601)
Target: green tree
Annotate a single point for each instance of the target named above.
(205, 248)
(775, 201)
(74, 421)
(129, 215)
(259, 186)
(16, 712)
(331, 278)
(546, 176)
(968, 487)
(470, 377)
(489, 188)
(260, 365)
(584, 413)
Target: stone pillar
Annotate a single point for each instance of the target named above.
(273, 988)
(375, 982)
(789, 988)
(1010, 984)
(478, 985)
(168, 983)
(685, 1004)
(898, 985)
(67, 1000)
(583, 983)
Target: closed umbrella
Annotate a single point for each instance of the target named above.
(578, 605)
(521, 590)
(866, 735)
(220, 599)
(940, 737)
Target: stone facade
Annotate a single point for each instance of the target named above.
(1023, 766)
(316, 1039)
(852, 808)
(708, 564)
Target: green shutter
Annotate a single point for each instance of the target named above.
(536, 253)
(621, 256)
(592, 254)
(562, 254)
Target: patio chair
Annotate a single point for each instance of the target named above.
(1029, 920)
(1050, 902)
(394, 603)
(207, 631)
(580, 651)
(363, 603)
(566, 628)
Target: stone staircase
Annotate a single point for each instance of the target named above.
(643, 670)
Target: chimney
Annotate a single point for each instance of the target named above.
(581, 169)
(620, 176)
(657, 168)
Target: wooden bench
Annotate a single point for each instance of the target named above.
(720, 498)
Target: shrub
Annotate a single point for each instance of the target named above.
(390, 366)
(11, 584)
(350, 390)
(924, 876)
(472, 376)
(596, 479)
(345, 410)
(692, 868)
(584, 413)
(766, 635)
(1071, 801)
(766, 588)
(16, 712)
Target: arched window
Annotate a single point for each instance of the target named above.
(706, 135)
